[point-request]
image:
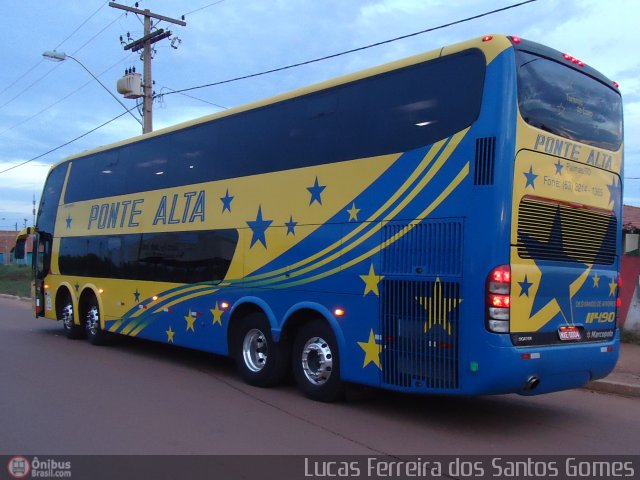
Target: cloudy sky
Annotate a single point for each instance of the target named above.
(44, 105)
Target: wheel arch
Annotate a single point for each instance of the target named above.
(65, 288)
(88, 292)
(246, 306)
(304, 312)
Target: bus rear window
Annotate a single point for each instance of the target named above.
(566, 102)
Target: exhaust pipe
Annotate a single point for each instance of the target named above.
(532, 382)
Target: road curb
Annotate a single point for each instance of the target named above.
(14, 297)
(617, 387)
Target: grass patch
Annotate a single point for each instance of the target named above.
(16, 280)
(630, 337)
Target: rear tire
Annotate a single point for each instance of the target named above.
(66, 315)
(260, 361)
(95, 334)
(316, 362)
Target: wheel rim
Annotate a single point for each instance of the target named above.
(93, 320)
(317, 361)
(254, 350)
(67, 316)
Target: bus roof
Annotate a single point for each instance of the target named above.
(490, 49)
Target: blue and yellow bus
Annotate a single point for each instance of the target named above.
(448, 223)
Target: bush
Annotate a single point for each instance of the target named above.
(16, 280)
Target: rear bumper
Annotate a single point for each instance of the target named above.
(506, 369)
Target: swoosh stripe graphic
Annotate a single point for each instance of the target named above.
(445, 193)
(431, 154)
(373, 225)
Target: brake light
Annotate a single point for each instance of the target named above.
(487, 38)
(572, 59)
(616, 84)
(515, 39)
(498, 294)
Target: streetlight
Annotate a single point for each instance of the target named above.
(61, 56)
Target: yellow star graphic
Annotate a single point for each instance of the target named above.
(612, 287)
(596, 281)
(170, 333)
(353, 213)
(371, 281)
(371, 351)
(438, 307)
(190, 321)
(217, 315)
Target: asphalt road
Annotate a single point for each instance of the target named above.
(60, 396)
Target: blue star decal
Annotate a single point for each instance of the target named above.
(552, 285)
(291, 226)
(226, 201)
(531, 178)
(136, 295)
(614, 194)
(259, 227)
(316, 192)
(69, 220)
(559, 168)
(525, 286)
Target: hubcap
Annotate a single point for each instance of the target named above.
(67, 316)
(93, 320)
(317, 361)
(254, 350)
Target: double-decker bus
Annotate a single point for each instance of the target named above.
(448, 223)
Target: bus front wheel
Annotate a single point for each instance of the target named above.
(261, 361)
(316, 362)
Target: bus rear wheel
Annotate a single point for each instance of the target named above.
(95, 334)
(65, 314)
(261, 361)
(316, 362)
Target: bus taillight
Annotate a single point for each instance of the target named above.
(573, 59)
(498, 294)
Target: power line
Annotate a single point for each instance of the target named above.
(63, 98)
(103, 4)
(353, 50)
(92, 38)
(33, 84)
(202, 8)
(186, 95)
(66, 143)
(20, 77)
(457, 22)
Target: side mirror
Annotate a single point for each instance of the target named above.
(19, 250)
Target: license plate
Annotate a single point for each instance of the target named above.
(569, 333)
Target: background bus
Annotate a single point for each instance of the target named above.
(448, 223)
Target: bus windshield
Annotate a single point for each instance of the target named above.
(568, 103)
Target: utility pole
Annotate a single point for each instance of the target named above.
(145, 42)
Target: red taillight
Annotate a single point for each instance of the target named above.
(500, 301)
(618, 302)
(515, 39)
(487, 38)
(498, 294)
(501, 274)
(572, 59)
(616, 84)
